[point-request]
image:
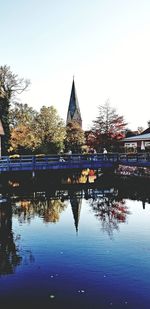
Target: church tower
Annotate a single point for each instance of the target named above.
(73, 109)
(76, 204)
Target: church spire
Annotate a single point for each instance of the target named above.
(76, 204)
(73, 109)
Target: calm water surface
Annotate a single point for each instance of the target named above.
(81, 252)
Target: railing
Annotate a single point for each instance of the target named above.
(138, 159)
(74, 161)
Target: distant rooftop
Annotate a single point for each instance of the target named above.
(137, 137)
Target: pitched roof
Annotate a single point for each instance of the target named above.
(146, 131)
(139, 137)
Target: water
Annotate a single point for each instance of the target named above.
(83, 250)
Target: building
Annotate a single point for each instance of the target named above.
(1, 134)
(136, 143)
(73, 113)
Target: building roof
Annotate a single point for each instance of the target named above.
(140, 137)
(146, 131)
(1, 129)
(73, 108)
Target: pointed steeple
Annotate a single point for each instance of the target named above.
(73, 109)
(76, 209)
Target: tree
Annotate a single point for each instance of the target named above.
(90, 140)
(20, 113)
(50, 130)
(33, 132)
(10, 86)
(108, 126)
(74, 137)
(148, 123)
(22, 124)
(129, 133)
(23, 140)
(140, 130)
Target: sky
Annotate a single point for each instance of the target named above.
(104, 44)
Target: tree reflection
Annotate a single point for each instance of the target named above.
(53, 211)
(25, 210)
(48, 209)
(110, 212)
(9, 251)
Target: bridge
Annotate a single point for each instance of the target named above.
(74, 161)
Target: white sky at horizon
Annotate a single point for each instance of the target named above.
(105, 44)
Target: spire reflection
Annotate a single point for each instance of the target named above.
(76, 204)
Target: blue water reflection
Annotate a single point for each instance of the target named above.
(75, 251)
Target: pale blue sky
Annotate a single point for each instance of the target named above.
(105, 44)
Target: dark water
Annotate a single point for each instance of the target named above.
(84, 249)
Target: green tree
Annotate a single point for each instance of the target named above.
(35, 132)
(108, 126)
(10, 86)
(22, 123)
(50, 130)
(74, 137)
(21, 114)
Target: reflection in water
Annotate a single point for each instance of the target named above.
(88, 271)
(108, 205)
(84, 176)
(76, 209)
(104, 202)
(48, 209)
(110, 213)
(9, 251)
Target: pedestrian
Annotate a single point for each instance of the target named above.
(105, 153)
(104, 150)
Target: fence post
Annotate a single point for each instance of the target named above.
(33, 166)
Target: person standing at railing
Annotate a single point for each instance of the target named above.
(69, 153)
(61, 158)
(105, 153)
